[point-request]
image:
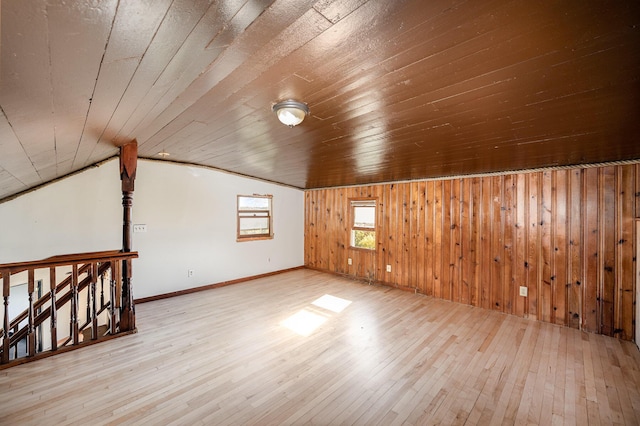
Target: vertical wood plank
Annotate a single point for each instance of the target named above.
(545, 288)
(430, 237)
(404, 273)
(637, 190)
(574, 297)
(437, 240)
(533, 241)
(560, 275)
(625, 267)
(455, 243)
(310, 235)
(420, 233)
(467, 242)
(520, 246)
(341, 212)
(486, 226)
(590, 310)
(372, 255)
(476, 240)
(497, 243)
(445, 246)
(333, 214)
(509, 293)
(383, 231)
(307, 226)
(607, 248)
(392, 249)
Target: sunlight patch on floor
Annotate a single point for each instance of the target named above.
(305, 321)
(331, 303)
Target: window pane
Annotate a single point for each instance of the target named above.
(254, 225)
(364, 216)
(363, 239)
(253, 203)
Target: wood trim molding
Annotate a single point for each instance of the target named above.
(365, 280)
(212, 286)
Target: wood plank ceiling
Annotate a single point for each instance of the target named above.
(398, 90)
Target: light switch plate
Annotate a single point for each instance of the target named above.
(139, 228)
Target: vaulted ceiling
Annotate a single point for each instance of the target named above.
(397, 90)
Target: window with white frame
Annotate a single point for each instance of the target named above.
(363, 224)
(255, 218)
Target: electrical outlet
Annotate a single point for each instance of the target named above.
(139, 228)
(523, 291)
(190, 273)
(349, 261)
(388, 268)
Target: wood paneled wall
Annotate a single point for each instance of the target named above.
(565, 235)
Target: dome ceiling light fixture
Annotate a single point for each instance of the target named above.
(290, 113)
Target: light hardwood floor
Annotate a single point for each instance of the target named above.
(225, 357)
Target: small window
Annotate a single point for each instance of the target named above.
(363, 225)
(255, 219)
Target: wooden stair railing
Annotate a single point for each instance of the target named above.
(60, 302)
(86, 270)
(44, 299)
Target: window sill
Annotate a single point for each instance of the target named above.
(362, 249)
(265, 237)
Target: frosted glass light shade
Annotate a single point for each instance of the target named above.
(291, 113)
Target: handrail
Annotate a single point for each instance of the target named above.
(67, 259)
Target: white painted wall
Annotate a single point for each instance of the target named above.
(190, 213)
(78, 214)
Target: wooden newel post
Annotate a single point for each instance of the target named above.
(128, 164)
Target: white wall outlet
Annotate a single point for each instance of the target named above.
(523, 291)
(388, 268)
(139, 227)
(190, 273)
(349, 261)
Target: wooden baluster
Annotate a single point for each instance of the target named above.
(31, 330)
(127, 319)
(94, 316)
(37, 313)
(87, 314)
(54, 311)
(14, 330)
(6, 339)
(102, 288)
(115, 272)
(118, 279)
(74, 306)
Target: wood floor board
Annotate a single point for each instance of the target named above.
(226, 356)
